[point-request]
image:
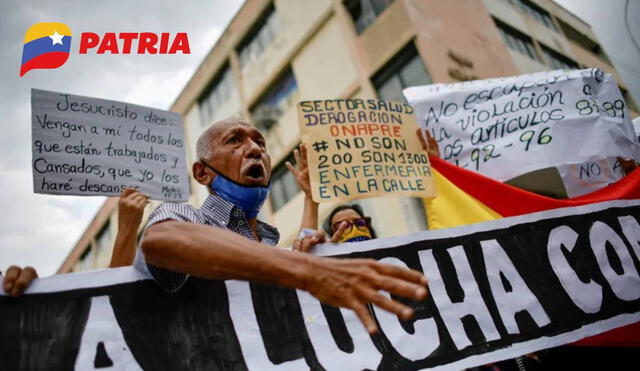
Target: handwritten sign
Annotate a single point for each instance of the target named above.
(507, 127)
(363, 148)
(524, 283)
(96, 147)
(580, 179)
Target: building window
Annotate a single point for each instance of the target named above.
(85, 262)
(217, 94)
(517, 41)
(259, 38)
(283, 184)
(103, 239)
(365, 12)
(583, 41)
(404, 70)
(558, 61)
(274, 103)
(537, 13)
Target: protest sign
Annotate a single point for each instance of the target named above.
(97, 147)
(363, 148)
(498, 290)
(636, 127)
(580, 179)
(506, 127)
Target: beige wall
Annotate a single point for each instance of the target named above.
(298, 19)
(524, 64)
(463, 27)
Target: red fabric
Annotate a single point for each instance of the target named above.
(507, 201)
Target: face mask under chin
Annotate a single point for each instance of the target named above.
(248, 198)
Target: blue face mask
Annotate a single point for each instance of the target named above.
(247, 198)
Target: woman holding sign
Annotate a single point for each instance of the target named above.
(346, 223)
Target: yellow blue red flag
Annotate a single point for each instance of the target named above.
(46, 45)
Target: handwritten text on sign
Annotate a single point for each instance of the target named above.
(507, 127)
(88, 146)
(363, 148)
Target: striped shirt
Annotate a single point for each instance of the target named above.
(216, 212)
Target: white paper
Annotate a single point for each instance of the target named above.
(97, 147)
(580, 179)
(507, 127)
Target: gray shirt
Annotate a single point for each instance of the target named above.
(216, 212)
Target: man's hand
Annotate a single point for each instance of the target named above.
(302, 172)
(131, 207)
(354, 283)
(430, 145)
(17, 280)
(306, 243)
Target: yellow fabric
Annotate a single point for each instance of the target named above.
(453, 207)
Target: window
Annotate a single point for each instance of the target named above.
(103, 240)
(218, 93)
(557, 60)
(259, 38)
(537, 13)
(365, 12)
(85, 262)
(517, 41)
(585, 42)
(404, 70)
(275, 101)
(283, 184)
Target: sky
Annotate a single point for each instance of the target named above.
(40, 230)
(607, 20)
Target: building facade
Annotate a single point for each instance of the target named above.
(277, 52)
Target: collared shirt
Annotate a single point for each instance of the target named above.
(216, 212)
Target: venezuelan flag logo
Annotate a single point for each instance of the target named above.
(46, 45)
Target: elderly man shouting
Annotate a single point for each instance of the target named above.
(224, 240)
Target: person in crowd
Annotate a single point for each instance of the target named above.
(223, 239)
(345, 223)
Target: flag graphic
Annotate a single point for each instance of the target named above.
(46, 45)
(466, 197)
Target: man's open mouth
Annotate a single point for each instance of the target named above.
(255, 172)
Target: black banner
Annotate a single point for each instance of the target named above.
(497, 290)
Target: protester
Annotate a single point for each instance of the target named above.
(345, 223)
(131, 206)
(223, 239)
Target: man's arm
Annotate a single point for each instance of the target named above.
(130, 209)
(215, 253)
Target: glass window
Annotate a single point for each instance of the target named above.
(365, 12)
(217, 94)
(85, 262)
(283, 184)
(103, 240)
(558, 61)
(404, 70)
(540, 15)
(273, 104)
(260, 37)
(517, 41)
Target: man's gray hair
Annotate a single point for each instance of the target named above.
(203, 145)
